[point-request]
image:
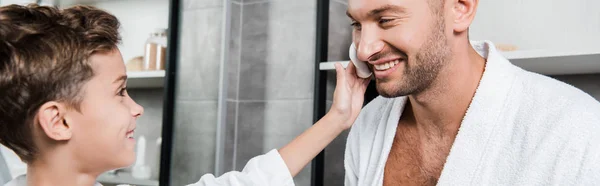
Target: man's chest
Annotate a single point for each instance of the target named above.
(415, 160)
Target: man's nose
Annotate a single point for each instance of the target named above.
(369, 44)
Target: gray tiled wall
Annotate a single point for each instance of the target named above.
(269, 82)
(200, 4)
(340, 38)
(200, 47)
(270, 78)
(194, 137)
(194, 141)
(277, 42)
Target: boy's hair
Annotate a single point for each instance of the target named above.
(44, 56)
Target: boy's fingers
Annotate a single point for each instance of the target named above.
(351, 69)
(339, 70)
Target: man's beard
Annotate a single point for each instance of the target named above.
(430, 59)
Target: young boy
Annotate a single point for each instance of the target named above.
(65, 111)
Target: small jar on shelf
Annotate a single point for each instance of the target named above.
(156, 50)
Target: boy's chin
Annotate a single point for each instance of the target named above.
(125, 160)
(129, 159)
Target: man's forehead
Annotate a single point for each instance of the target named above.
(353, 4)
(366, 7)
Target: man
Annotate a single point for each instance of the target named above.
(452, 112)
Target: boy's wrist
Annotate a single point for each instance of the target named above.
(337, 120)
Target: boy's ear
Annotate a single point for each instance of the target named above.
(52, 121)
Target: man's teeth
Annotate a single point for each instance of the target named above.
(130, 135)
(386, 66)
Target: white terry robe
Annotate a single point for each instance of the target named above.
(265, 170)
(521, 128)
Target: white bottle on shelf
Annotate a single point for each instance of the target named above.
(140, 170)
(155, 174)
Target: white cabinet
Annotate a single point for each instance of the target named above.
(138, 18)
(551, 36)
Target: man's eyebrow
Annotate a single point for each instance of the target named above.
(386, 8)
(382, 9)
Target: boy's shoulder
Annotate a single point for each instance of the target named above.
(22, 181)
(18, 181)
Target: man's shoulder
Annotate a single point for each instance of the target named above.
(547, 92)
(556, 114)
(556, 104)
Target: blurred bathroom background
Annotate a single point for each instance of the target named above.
(244, 82)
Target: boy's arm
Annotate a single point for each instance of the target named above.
(268, 170)
(348, 99)
(305, 147)
(279, 167)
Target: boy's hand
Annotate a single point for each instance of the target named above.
(348, 96)
(347, 103)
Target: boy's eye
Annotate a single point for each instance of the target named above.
(356, 25)
(122, 91)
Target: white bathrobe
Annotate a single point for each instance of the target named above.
(521, 128)
(22, 181)
(265, 170)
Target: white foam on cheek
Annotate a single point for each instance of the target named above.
(362, 69)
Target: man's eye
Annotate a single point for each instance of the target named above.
(383, 21)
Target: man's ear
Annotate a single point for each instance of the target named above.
(51, 118)
(464, 13)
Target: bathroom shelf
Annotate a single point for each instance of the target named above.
(145, 79)
(330, 65)
(124, 178)
(135, 26)
(547, 62)
(555, 62)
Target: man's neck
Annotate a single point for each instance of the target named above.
(445, 103)
(58, 169)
